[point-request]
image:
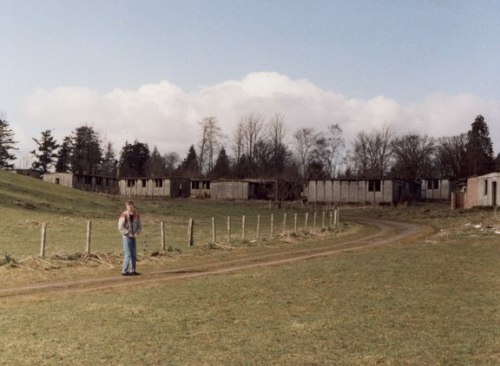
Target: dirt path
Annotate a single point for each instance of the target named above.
(387, 233)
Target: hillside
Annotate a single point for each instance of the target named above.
(31, 194)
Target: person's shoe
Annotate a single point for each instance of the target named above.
(126, 274)
(135, 273)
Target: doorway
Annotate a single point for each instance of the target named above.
(494, 193)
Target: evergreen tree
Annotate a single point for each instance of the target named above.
(134, 160)
(479, 155)
(7, 143)
(190, 167)
(46, 152)
(109, 164)
(222, 167)
(157, 164)
(86, 155)
(63, 164)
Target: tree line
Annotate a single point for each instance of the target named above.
(261, 148)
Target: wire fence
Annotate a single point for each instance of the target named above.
(71, 235)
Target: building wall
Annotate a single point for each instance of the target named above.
(149, 187)
(82, 182)
(229, 190)
(442, 192)
(471, 198)
(488, 189)
(349, 191)
(64, 179)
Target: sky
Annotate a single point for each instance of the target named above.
(150, 70)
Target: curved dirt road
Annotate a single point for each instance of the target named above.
(387, 233)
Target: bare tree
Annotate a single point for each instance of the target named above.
(277, 133)
(414, 155)
(451, 156)
(305, 138)
(238, 142)
(171, 161)
(209, 142)
(372, 152)
(251, 128)
(335, 143)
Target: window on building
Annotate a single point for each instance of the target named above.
(58, 181)
(485, 187)
(143, 183)
(98, 181)
(88, 180)
(433, 184)
(130, 182)
(196, 184)
(158, 183)
(374, 185)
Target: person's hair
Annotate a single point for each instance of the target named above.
(129, 202)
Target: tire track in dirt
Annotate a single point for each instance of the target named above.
(388, 233)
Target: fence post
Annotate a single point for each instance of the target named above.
(295, 224)
(323, 221)
(305, 221)
(272, 225)
(214, 237)
(335, 218)
(190, 232)
(89, 234)
(229, 228)
(258, 227)
(314, 221)
(284, 224)
(330, 226)
(243, 227)
(42, 242)
(162, 234)
(338, 215)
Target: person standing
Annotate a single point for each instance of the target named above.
(129, 225)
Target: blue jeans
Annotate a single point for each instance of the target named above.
(129, 254)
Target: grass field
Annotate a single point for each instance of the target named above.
(28, 203)
(431, 302)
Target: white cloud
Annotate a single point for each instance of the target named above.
(166, 116)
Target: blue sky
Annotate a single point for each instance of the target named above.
(407, 52)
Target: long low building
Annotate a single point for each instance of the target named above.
(155, 187)
(361, 191)
(84, 182)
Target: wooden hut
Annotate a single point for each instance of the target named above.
(155, 187)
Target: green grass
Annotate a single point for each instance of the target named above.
(420, 304)
(433, 302)
(27, 203)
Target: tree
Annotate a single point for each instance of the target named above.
(157, 164)
(7, 144)
(305, 138)
(413, 154)
(63, 164)
(372, 153)
(251, 129)
(479, 155)
(276, 133)
(86, 153)
(134, 159)
(46, 154)
(451, 156)
(209, 142)
(497, 163)
(171, 161)
(222, 167)
(189, 167)
(335, 143)
(109, 166)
